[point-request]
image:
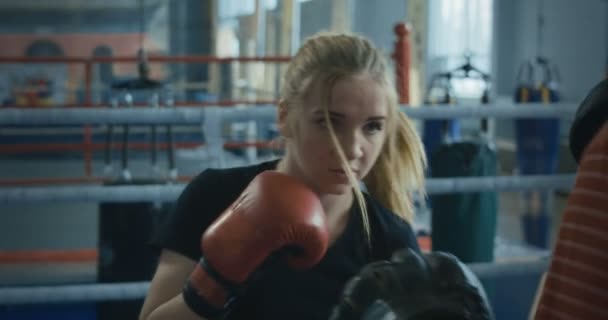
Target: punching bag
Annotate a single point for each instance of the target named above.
(537, 143)
(464, 224)
(126, 228)
(435, 132)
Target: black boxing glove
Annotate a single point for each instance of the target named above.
(414, 287)
(590, 116)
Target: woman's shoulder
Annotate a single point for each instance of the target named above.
(385, 214)
(395, 231)
(221, 180)
(216, 188)
(200, 203)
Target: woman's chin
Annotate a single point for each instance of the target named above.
(337, 189)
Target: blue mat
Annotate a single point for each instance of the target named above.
(72, 311)
(511, 287)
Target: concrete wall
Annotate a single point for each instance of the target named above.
(574, 37)
(315, 16)
(376, 20)
(373, 19)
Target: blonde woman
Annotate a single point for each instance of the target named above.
(341, 125)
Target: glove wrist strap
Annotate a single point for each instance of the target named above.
(197, 302)
(230, 286)
(199, 305)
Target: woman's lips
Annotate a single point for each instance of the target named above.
(341, 173)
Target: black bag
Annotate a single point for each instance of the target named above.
(126, 228)
(125, 231)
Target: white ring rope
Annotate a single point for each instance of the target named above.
(138, 290)
(170, 192)
(500, 183)
(196, 115)
(73, 293)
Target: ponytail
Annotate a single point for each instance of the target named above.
(399, 170)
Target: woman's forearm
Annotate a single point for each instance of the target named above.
(175, 308)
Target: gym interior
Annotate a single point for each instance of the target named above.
(64, 218)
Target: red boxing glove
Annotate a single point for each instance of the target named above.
(274, 212)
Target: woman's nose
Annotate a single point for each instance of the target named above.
(352, 146)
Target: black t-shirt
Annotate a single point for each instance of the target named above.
(283, 293)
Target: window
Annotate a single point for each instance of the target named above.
(43, 48)
(104, 69)
(234, 8)
(457, 28)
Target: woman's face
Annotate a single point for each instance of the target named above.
(358, 111)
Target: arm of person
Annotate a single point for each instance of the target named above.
(539, 291)
(182, 287)
(177, 241)
(164, 299)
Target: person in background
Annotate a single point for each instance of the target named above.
(576, 284)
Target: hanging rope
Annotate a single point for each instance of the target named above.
(540, 26)
(141, 53)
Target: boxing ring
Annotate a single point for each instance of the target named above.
(210, 118)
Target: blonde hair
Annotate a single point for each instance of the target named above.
(399, 170)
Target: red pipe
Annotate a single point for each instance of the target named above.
(63, 147)
(28, 182)
(48, 256)
(88, 157)
(152, 58)
(192, 59)
(17, 59)
(402, 59)
(222, 103)
(51, 181)
(88, 153)
(88, 79)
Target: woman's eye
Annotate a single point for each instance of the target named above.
(373, 127)
(323, 124)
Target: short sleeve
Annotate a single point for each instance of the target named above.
(199, 204)
(392, 233)
(404, 236)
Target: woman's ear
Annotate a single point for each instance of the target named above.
(283, 124)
